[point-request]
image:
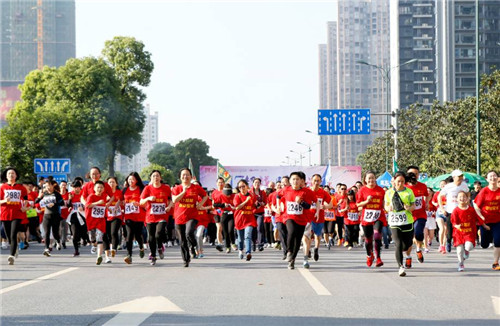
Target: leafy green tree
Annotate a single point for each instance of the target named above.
(166, 175)
(162, 154)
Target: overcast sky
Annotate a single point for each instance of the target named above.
(241, 75)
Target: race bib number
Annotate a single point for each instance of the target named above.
(13, 196)
(294, 208)
(77, 206)
(158, 209)
(419, 201)
(114, 211)
(371, 215)
(398, 218)
(267, 212)
(329, 215)
(130, 208)
(352, 216)
(430, 214)
(98, 211)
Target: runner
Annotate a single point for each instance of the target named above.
(322, 201)
(114, 220)
(31, 214)
(157, 198)
(258, 236)
(277, 219)
(12, 204)
(185, 197)
(450, 191)
(245, 205)
(205, 216)
(422, 200)
(352, 220)
(63, 228)
(487, 205)
(340, 214)
(224, 201)
(297, 198)
(216, 195)
(95, 212)
(430, 224)
(134, 214)
(371, 198)
(269, 216)
(440, 217)
(76, 218)
(464, 219)
(329, 229)
(279, 209)
(400, 203)
(53, 202)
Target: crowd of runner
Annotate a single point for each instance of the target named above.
(287, 215)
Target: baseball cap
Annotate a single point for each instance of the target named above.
(456, 173)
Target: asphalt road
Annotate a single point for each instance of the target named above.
(221, 289)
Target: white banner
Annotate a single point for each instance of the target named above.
(343, 174)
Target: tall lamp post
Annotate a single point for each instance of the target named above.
(478, 115)
(386, 76)
(301, 156)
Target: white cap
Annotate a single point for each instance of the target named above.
(456, 173)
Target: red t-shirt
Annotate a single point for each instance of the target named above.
(489, 203)
(64, 209)
(421, 192)
(467, 219)
(293, 210)
(115, 212)
(260, 197)
(244, 216)
(96, 216)
(324, 198)
(131, 199)
(11, 210)
(374, 210)
(435, 199)
(156, 210)
(76, 201)
(342, 203)
(204, 217)
(88, 189)
(219, 198)
(268, 212)
(352, 214)
(185, 209)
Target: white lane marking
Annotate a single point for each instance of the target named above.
(314, 282)
(496, 304)
(36, 280)
(136, 311)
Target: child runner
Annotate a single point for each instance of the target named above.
(95, 211)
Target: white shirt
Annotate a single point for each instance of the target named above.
(451, 191)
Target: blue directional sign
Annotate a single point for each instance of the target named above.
(344, 122)
(57, 177)
(52, 166)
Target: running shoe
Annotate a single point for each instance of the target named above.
(58, 245)
(228, 250)
(46, 252)
(141, 253)
(11, 260)
(339, 242)
(241, 254)
(495, 267)
(386, 246)
(426, 250)
(113, 252)
(169, 244)
(235, 247)
(21, 245)
(64, 245)
(460, 267)
(402, 271)
(249, 256)
(150, 257)
(349, 248)
(99, 260)
(186, 264)
(284, 257)
(408, 262)
(316, 254)
(420, 256)
(379, 262)
(309, 254)
(328, 246)
(153, 261)
(448, 247)
(369, 260)
(108, 260)
(128, 260)
(93, 250)
(345, 243)
(306, 264)
(76, 253)
(441, 248)
(466, 255)
(201, 255)
(261, 248)
(278, 246)
(288, 256)
(161, 253)
(291, 264)
(4, 245)
(218, 247)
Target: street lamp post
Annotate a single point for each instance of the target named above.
(478, 115)
(386, 76)
(301, 156)
(308, 149)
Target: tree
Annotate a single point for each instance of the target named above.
(166, 175)
(162, 154)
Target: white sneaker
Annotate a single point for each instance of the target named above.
(169, 244)
(11, 260)
(402, 271)
(460, 267)
(108, 260)
(58, 246)
(5, 245)
(93, 250)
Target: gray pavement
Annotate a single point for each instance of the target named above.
(220, 289)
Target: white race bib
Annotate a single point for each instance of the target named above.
(114, 211)
(430, 214)
(371, 215)
(158, 209)
(398, 218)
(77, 206)
(13, 196)
(267, 212)
(419, 201)
(329, 215)
(130, 208)
(98, 211)
(294, 208)
(352, 216)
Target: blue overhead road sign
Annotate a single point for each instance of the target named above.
(344, 122)
(52, 166)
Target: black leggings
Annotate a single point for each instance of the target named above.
(212, 232)
(283, 236)
(134, 229)
(33, 225)
(373, 232)
(268, 227)
(339, 220)
(295, 233)
(403, 239)
(111, 238)
(156, 232)
(77, 230)
(352, 233)
(51, 222)
(11, 229)
(227, 221)
(259, 230)
(185, 233)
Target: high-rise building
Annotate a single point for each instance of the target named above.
(34, 33)
(361, 33)
(125, 164)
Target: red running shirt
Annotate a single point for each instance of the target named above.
(489, 203)
(421, 192)
(95, 216)
(293, 210)
(131, 200)
(11, 210)
(245, 216)
(467, 219)
(156, 210)
(185, 209)
(374, 210)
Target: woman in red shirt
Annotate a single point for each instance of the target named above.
(114, 220)
(157, 199)
(205, 217)
(134, 214)
(261, 201)
(185, 198)
(351, 220)
(371, 198)
(12, 197)
(245, 204)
